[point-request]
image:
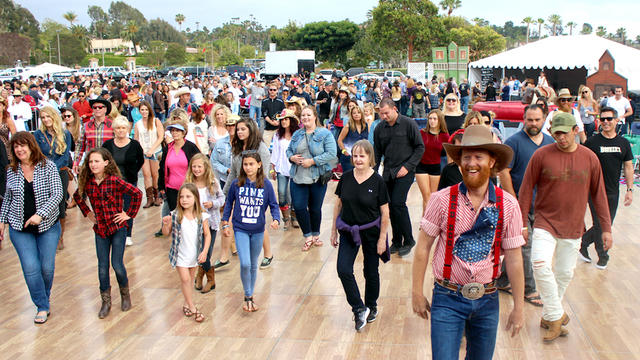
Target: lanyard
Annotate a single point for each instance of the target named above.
(451, 226)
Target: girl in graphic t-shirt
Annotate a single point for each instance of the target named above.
(189, 228)
(251, 193)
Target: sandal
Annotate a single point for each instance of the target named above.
(199, 317)
(247, 304)
(506, 289)
(534, 300)
(41, 319)
(308, 244)
(317, 242)
(186, 311)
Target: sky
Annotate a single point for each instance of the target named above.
(213, 13)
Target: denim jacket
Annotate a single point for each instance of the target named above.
(221, 158)
(322, 147)
(344, 112)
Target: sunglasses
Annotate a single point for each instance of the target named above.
(273, 89)
(608, 118)
(68, 116)
(585, 92)
(452, 100)
(565, 100)
(488, 122)
(98, 107)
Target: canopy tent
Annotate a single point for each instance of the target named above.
(573, 55)
(44, 69)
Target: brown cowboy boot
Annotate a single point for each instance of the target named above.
(555, 330)
(125, 298)
(106, 303)
(199, 276)
(150, 198)
(545, 324)
(211, 281)
(286, 218)
(158, 199)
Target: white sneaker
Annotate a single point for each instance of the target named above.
(129, 242)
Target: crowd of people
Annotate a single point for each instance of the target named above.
(210, 147)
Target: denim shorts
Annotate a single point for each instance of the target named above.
(155, 156)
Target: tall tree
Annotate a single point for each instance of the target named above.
(16, 19)
(330, 40)
(407, 24)
(556, 21)
(160, 30)
(601, 31)
(450, 5)
(571, 25)
(528, 21)
(586, 29)
(82, 34)
(480, 21)
(540, 23)
(70, 17)
(621, 34)
(99, 21)
(120, 14)
(180, 19)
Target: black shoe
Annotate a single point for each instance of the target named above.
(373, 314)
(584, 255)
(602, 263)
(159, 233)
(394, 248)
(266, 262)
(360, 318)
(406, 249)
(218, 264)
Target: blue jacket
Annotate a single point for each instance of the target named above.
(322, 146)
(61, 160)
(221, 158)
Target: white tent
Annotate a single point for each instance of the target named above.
(565, 53)
(44, 69)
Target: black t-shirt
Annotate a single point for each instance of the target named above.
(325, 108)
(419, 96)
(612, 154)
(454, 122)
(361, 202)
(450, 176)
(464, 89)
(29, 207)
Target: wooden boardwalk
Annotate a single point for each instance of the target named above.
(303, 311)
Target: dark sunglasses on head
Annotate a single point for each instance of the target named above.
(487, 122)
(99, 107)
(608, 118)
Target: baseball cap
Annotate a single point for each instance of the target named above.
(175, 126)
(563, 122)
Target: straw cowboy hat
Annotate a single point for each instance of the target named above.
(232, 119)
(286, 113)
(183, 90)
(133, 96)
(294, 99)
(564, 93)
(479, 137)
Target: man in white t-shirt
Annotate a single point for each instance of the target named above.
(237, 94)
(19, 111)
(622, 107)
(564, 100)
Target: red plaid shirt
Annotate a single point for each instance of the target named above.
(92, 136)
(106, 201)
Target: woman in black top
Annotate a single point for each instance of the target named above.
(362, 200)
(453, 116)
(129, 157)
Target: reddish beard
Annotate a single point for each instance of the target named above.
(474, 182)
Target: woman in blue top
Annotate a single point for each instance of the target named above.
(312, 153)
(251, 193)
(356, 130)
(55, 144)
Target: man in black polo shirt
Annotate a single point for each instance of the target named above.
(271, 106)
(613, 151)
(398, 139)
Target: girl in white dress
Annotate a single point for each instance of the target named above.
(189, 228)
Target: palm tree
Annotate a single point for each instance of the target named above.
(180, 20)
(571, 25)
(556, 21)
(70, 17)
(480, 21)
(601, 31)
(129, 33)
(540, 22)
(621, 33)
(528, 20)
(81, 33)
(450, 5)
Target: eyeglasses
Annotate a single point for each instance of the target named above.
(100, 107)
(564, 100)
(68, 116)
(608, 118)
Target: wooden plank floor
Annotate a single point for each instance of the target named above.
(303, 311)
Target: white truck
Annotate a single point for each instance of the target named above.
(288, 62)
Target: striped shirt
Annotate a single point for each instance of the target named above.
(434, 223)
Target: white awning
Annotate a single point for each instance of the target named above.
(44, 69)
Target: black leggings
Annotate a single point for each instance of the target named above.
(172, 198)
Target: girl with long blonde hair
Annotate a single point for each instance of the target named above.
(589, 109)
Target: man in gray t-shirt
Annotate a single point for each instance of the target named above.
(257, 95)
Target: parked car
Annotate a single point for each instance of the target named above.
(328, 73)
(393, 74)
(11, 73)
(369, 76)
(354, 72)
(87, 71)
(115, 75)
(143, 71)
(165, 71)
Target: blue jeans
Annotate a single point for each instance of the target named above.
(37, 253)
(249, 247)
(284, 193)
(127, 202)
(254, 113)
(452, 314)
(464, 103)
(160, 116)
(345, 161)
(307, 203)
(113, 244)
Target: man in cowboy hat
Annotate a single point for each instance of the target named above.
(94, 132)
(184, 101)
(20, 111)
(564, 174)
(563, 101)
(474, 223)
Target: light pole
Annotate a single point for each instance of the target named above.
(58, 35)
(102, 45)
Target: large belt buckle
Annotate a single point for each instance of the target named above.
(472, 291)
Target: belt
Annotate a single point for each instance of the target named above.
(471, 291)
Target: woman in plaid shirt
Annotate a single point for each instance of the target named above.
(100, 181)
